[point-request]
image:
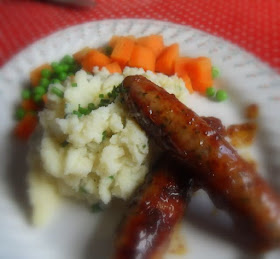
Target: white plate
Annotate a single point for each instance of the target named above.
(75, 232)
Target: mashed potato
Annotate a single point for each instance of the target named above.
(92, 157)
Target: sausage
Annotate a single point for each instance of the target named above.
(216, 125)
(230, 181)
(152, 215)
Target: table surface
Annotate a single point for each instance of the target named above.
(251, 24)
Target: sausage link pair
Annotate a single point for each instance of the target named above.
(229, 180)
(160, 204)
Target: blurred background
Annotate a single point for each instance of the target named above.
(251, 24)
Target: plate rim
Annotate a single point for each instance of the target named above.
(55, 33)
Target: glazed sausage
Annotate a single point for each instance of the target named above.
(230, 181)
(159, 205)
(216, 125)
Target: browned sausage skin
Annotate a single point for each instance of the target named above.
(216, 124)
(229, 180)
(152, 215)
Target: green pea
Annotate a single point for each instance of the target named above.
(46, 73)
(20, 113)
(221, 95)
(210, 91)
(44, 82)
(215, 72)
(58, 69)
(37, 97)
(68, 60)
(26, 94)
(65, 67)
(62, 76)
(39, 90)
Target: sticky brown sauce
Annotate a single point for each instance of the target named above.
(252, 111)
(242, 135)
(216, 124)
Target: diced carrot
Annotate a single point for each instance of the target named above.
(35, 74)
(113, 41)
(187, 82)
(45, 98)
(132, 37)
(199, 70)
(123, 50)
(95, 58)
(180, 65)
(142, 57)
(154, 42)
(114, 68)
(166, 61)
(29, 105)
(79, 55)
(180, 71)
(26, 126)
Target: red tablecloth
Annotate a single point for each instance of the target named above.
(251, 24)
